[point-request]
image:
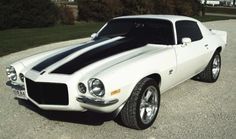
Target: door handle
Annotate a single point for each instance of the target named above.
(206, 45)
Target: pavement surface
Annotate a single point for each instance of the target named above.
(219, 14)
(191, 110)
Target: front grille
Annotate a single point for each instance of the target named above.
(47, 93)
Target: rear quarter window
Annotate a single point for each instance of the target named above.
(188, 29)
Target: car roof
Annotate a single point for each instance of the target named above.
(172, 18)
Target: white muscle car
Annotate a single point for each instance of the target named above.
(123, 69)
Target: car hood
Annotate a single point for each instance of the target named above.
(98, 54)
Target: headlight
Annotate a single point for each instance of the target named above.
(96, 87)
(11, 73)
(82, 88)
(22, 77)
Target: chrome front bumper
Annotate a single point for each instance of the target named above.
(18, 90)
(96, 101)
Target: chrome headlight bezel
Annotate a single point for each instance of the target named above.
(11, 73)
(96, 87)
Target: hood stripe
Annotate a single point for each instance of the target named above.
(48, 62)
(98, 54)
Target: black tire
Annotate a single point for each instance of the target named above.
(130, 114)
(208, 75)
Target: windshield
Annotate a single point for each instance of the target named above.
(151, 30)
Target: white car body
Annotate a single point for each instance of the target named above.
(171, 64)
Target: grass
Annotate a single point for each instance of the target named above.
(14, 40)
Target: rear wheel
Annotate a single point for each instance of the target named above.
(212, 71)
(141, 109)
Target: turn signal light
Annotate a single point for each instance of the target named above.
(115, 92)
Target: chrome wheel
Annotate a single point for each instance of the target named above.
(149, 105)
(216, 66)
(141, 109)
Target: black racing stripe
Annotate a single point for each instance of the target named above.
(46, 63)
(99, 53)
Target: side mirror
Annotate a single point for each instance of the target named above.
(186, 41)
(94, 35)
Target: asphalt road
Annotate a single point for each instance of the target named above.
(219, 14)
(191, 110)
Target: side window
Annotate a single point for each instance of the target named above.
(188, 29)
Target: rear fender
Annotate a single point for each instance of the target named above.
(221, 34)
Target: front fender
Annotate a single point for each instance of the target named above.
(124, 79)
(125, 76)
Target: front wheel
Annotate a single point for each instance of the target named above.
(141, 109)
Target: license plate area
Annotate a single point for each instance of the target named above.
(19, 93)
